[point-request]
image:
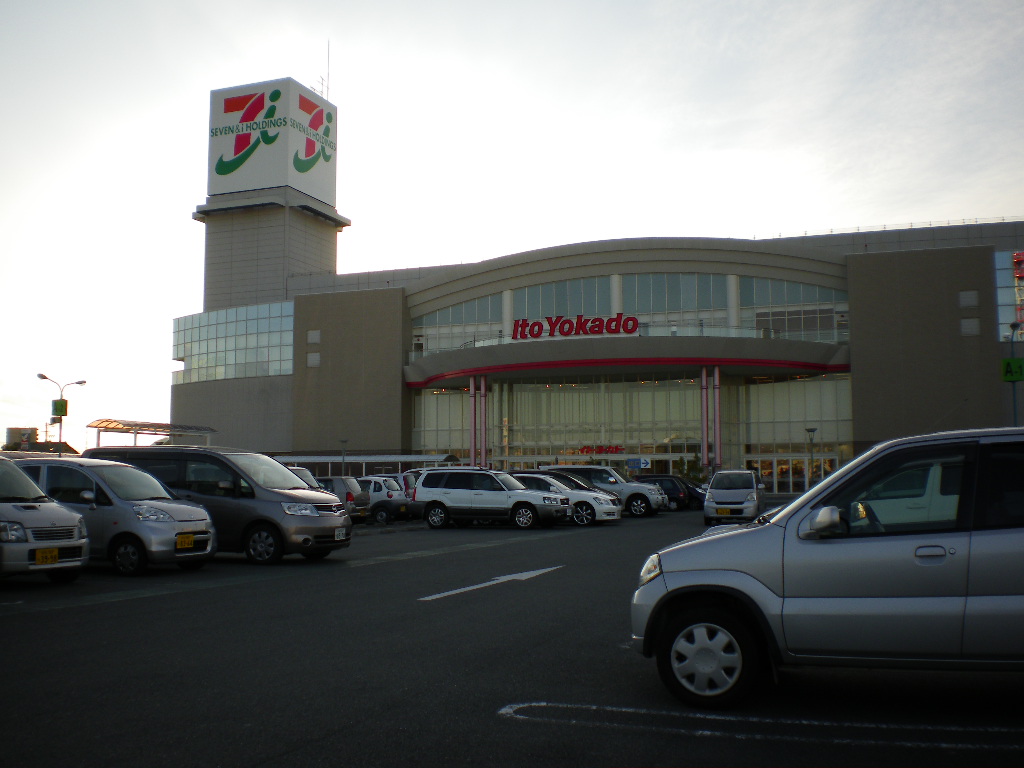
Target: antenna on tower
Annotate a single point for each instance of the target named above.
(325, 82)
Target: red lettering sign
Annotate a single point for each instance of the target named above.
(581, 326)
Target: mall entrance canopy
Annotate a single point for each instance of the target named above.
(136, 428)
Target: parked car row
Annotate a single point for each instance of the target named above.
(255, 504)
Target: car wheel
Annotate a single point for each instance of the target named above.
(583, 514)
(524, 516)
(64, 575)
(381, 515)
(191, 565)
(638, 506)
(708, 658)
(436, 515)
(263, 545)
(316, 554)
(128, 556)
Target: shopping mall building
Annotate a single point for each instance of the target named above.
(678, 354)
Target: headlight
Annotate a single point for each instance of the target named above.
(12, 532)
(299, 508)
(603, 501)
(551, 500)
(651, 569)
(145, 512)
(752, 496)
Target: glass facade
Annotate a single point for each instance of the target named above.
(235, 343)
(610, 419)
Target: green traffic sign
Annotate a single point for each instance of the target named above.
(1013, 369)
(60, 408)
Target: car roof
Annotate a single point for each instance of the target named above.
(75, 461)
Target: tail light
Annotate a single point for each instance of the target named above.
(391, 495)
(349, 496)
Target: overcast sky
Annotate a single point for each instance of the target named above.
(469, 130)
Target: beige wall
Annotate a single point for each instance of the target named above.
(357, 392)
(254, 413)
(917, 366)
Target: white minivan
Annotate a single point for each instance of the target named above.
(37, 535)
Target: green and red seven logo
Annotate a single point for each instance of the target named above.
(313, 150)
(251, 130)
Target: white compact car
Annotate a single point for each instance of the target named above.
(587, 506)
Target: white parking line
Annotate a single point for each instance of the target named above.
(749, 727)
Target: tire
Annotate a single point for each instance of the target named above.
(263, 545)
(638, 506)
(191, 565)
(524, 516)
(436, 516)
(381, 515)
(128, 556)
(708, 657)
(583, 514)
(64, 575)
(314, 555)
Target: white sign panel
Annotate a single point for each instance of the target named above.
(273, 134)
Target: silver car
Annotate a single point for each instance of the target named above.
(37, 535)
(131, 518)
(909, 556)
(734, 495)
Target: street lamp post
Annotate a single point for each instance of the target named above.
(344, 443)
(810, 469)
(60, 405)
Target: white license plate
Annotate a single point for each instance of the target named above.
(339, 534)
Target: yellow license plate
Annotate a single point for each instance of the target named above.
(723, 512)
(186, 541)
(46, 556)
(402, 508)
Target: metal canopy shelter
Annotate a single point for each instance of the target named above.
(136, 428)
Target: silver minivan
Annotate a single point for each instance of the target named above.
(909, 556)
(258, 506)
(131, 519)
(37, 535)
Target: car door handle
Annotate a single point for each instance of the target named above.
(930, 550)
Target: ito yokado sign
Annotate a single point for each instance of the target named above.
(273, 134)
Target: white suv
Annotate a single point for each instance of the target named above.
(461, 495)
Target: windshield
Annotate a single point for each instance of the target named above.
(573, 481)
(267, 472)
(618, 478)
(305, 476)
(510, 483)
(732, 481)
(131, 484)
(15, 485)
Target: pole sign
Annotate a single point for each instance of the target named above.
(60, 408)
(273, 134)
(1013, 369)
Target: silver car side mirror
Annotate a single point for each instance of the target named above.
(825, 522)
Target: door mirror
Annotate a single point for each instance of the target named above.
(88, 497)
(824, 523)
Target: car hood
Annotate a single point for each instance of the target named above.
(731, 497)
(182, 511)
(33, 514)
